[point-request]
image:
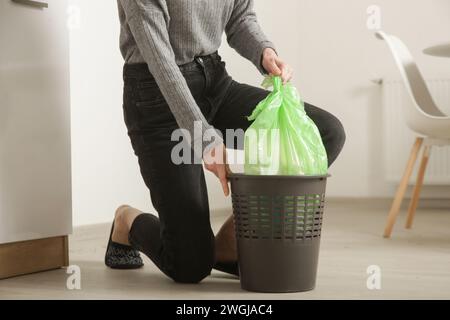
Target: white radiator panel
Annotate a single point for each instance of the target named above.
(398, 138)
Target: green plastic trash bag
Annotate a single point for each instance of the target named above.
(283, 140)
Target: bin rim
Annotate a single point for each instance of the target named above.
(252, 176)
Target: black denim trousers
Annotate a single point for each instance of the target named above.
(180, 240)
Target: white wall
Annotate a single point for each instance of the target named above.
(105, 171)
(334, 56)
(332, 52)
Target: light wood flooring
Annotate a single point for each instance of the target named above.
(415, 264)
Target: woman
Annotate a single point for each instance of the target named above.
(174, 79)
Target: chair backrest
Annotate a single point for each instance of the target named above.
(415, 83)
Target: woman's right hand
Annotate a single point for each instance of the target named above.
(275, 66)
(216, 161)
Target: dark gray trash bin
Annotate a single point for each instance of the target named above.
(278, 223)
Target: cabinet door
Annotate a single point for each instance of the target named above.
(35, 173)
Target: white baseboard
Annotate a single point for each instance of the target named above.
(426, 203)
(378, 203)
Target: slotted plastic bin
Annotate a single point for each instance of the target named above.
(278, 222)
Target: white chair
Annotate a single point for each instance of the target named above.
(424, 118)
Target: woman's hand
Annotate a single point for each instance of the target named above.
(216, 161)
(275, 66)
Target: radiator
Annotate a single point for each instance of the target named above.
(398, 138)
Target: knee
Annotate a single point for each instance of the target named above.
(193, 263)
(192, 270)
(335, 139)
(339, 135)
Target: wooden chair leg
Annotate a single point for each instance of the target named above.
(418, 187)
(395, 209)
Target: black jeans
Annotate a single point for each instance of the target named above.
(181, 242)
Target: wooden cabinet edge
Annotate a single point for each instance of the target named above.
(66, 251)
(20, 258)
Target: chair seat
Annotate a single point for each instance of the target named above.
(438, 128)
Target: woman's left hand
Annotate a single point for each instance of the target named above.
(275, 66)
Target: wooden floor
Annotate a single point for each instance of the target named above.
(414, 264)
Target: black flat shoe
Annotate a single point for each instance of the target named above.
(120, 256)
(228, 267)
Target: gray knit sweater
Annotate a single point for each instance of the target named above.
(168, 33)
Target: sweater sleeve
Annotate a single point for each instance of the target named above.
(244, 34)
(148, 21)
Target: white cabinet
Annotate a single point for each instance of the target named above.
(35, 173)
